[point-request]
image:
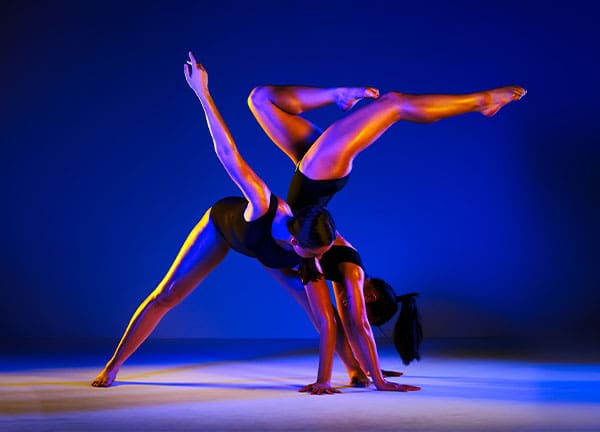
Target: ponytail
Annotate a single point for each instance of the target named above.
(408, 332)
(309, 271)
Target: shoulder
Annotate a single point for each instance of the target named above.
(269, 204)
(283, 207)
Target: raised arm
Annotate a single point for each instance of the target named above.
(254, 189)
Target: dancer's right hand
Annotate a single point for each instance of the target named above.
(319, 389)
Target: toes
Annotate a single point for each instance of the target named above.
(350, 105)
(371, 92)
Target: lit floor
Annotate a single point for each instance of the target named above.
(252, 386)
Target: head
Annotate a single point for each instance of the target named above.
(381, 301)
(313, 231)
(382, 304)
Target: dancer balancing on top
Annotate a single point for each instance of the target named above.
(324, 159)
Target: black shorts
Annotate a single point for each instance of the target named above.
(337, 255)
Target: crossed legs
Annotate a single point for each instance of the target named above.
(329, 154)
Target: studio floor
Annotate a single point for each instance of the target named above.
(253, 386)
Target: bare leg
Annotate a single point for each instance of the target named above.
(202, 251)
(277, 109)
(290, 281)
(332, 154)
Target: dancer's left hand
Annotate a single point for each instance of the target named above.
(195, 74)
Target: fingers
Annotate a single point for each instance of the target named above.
(194, 63)
(192, 58)
(316, 389)
(186, 71)
(322, 391)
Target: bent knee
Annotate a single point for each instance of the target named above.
(259, 96)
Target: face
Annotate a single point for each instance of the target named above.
(370, 292)
(309, 253)
(371, 297)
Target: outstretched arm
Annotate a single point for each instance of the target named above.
(254, 189)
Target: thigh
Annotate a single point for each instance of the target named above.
(292, 133)
(332, 154)
(203, 249)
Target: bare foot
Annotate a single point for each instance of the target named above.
(347, 97)
(105, 378)
(390, 373)
(497, 98)
(359, 379)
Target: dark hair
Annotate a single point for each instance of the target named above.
(386, 306)
(312, 227)
(309, 271)
(408, 332)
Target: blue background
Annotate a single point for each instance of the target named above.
(107, 162)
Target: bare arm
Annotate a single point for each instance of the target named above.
(320, 303)
(358, 329)
(254, 189)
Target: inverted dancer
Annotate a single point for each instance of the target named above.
(324, 159)
(259, 225)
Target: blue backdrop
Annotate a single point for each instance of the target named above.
(107, 162)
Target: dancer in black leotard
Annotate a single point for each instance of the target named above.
(258, 225)
(324, 160)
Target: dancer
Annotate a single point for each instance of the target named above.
(243, 224)
(324, 159)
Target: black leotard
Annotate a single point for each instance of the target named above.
(336, 255)
(304, 191)
(253, 238)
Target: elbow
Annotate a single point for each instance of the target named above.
(360, 324)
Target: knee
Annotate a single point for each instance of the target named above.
(406, 107)
(169, 295)
(259, 96)
(395, 99)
